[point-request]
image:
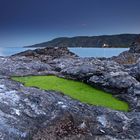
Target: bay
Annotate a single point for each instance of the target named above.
(7, 51)
(98, 52)
(82, 52)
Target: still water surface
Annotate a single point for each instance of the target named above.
(97, 52)
(82, 52)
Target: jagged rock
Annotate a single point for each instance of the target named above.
(129, 57)
(115, 82)
(107, 75)
(126, 58)
(20, 66)
(134, 70)
(83, 70)
(28, 113)
(135, 47)
(46, 54)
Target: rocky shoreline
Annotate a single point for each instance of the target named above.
(34, 114)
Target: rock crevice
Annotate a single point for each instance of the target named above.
(31, 113)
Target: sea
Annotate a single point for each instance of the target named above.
(82, 52)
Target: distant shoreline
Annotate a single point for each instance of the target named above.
(77, 47)
(103, 41)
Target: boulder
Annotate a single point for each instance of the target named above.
(29, 113)
(114, 82)
(129, 57)
(46, 54)
(135, 47)
(126, 58)
(21, 66)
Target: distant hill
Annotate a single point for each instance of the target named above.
(118, 41)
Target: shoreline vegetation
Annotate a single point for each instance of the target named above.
(101, 41)
(75, 89)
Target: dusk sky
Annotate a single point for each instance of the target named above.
(26, 22)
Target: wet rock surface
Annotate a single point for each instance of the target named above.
(28, 113)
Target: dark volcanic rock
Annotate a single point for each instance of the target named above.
(115, 82)
(20, 66)
(106, 75)
(46, 54)
(129, 57)
(28, 113)
(135, 47)
(126, 58)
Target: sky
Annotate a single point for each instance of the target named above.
(27, 22)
